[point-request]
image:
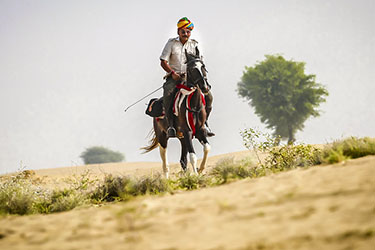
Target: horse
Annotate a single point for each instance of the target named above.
(190, 121)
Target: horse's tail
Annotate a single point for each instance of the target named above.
(153, 143)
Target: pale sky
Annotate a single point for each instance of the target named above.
(68, 69)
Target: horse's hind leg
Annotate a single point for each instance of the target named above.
(183, 159)
(163, 155)
(206, 149)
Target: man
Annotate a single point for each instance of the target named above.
(173, 61)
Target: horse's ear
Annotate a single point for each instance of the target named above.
(197, 51)
(188, 56)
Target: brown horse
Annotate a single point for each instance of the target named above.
(190, 119)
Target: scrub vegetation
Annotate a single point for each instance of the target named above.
(21, 193)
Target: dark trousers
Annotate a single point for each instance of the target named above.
(169, 88)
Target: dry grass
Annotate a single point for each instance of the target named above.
(20, 194)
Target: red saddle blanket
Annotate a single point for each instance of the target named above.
(186, 92)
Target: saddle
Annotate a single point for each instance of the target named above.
(155, 106)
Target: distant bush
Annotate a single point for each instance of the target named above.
(99, 154)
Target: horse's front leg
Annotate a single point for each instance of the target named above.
(183, 159)
(189, 146)
(206, 149)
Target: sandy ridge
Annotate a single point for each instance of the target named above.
(331, 207)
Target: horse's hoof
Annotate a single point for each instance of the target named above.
(210, 134)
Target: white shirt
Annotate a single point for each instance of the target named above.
(174, 53)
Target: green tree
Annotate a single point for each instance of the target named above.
(99, 154)
(282, 94)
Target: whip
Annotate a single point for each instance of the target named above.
(142, 98)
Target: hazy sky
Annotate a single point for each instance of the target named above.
(68, 69)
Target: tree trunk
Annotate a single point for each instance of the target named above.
(291, 139)
(277, 140)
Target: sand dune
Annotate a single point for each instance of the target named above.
(130, 167)
(55, 176)
(330, 207)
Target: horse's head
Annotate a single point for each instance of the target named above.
(196, 72)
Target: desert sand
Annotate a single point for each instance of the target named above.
(324, 207)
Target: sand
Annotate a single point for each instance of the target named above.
(326, 207)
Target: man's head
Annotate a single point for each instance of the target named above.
(185, 26)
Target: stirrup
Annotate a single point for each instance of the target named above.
(171, 132)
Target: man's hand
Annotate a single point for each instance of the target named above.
(175, 76)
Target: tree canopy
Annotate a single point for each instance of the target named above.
(98, 154)
(282, 95)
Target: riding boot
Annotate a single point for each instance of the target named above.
(171, 131)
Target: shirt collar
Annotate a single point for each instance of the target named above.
(178, 39)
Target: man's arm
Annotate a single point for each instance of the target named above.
(164, 64)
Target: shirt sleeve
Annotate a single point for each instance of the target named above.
(166, 53)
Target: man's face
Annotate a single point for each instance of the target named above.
(184, 34)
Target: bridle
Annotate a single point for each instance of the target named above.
(195, 80)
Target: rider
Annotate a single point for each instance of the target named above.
(173, 61)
